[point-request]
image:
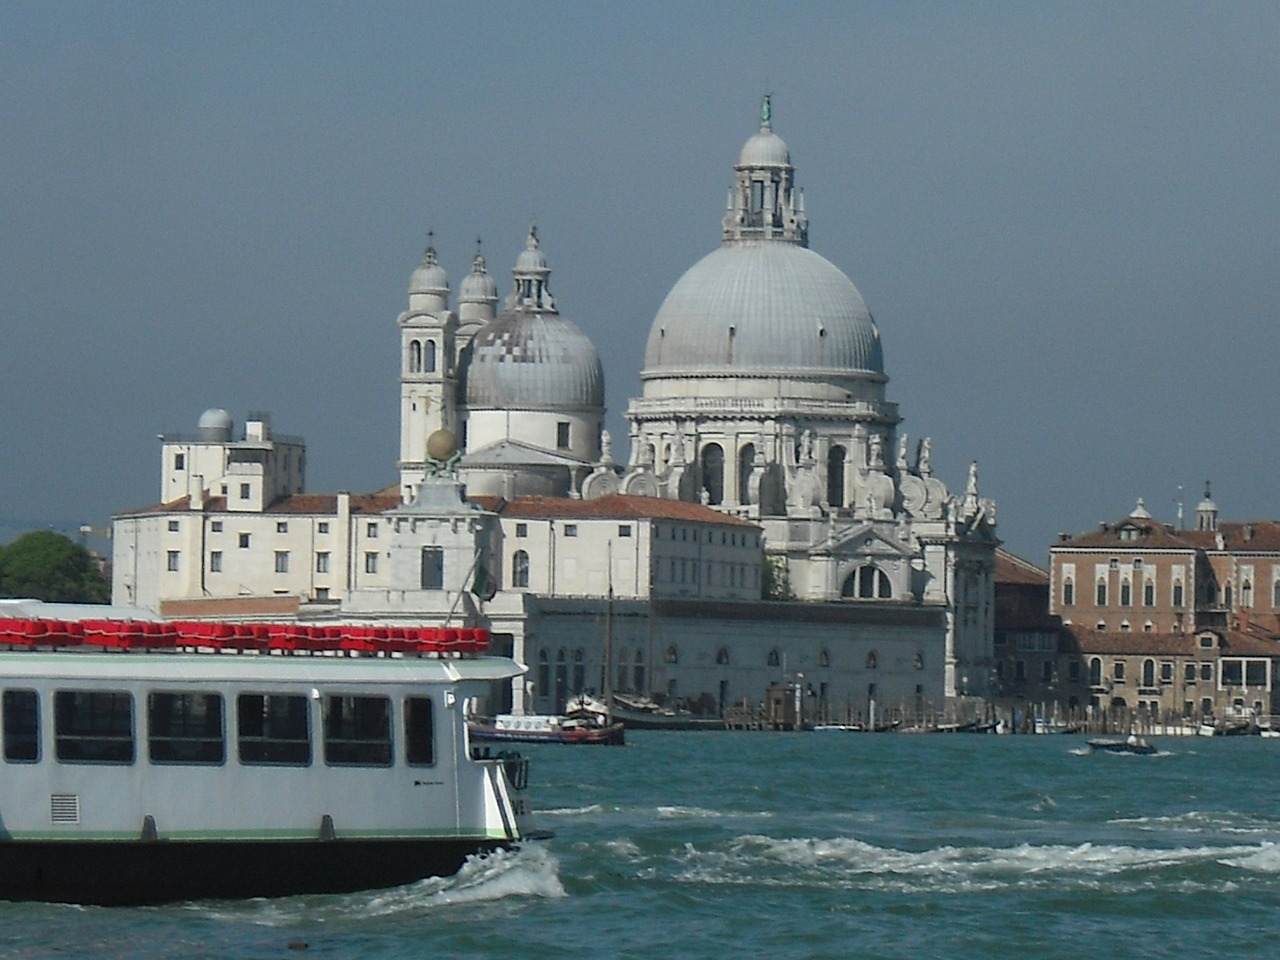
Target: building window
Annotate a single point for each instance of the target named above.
(282, 526)
(722, 656)
(93, 726)
(1149, 594)
(173, 561)
(371, 562)
(215, 561)
(871, 660)
(671, 655)
(371, 530)
(1046, 671)
(244, 541)
(357, 731)
(322, 593)
(1117, 671)
(1177, 594)
(179, 461)
(522, 530)
(282, 561)
(1206, 672)
(1095, 672)
(432, 568)
(1246, 594)
(1073, 671)
(1126, 594)
(1068, 593)
(570, 529)
(1148, 673)
(322, 561)
(562, 435)
(1189, 673)
(173, 526)
(244, 491)
(774, 659)
(273, 728)
(185, 728)
(1101, 597)
(624, 529)
(431, 357)
(322, 526)
(216, 526)
(520, 569)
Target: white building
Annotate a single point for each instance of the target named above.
(762, 463)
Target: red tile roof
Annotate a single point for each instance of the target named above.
(1013, 569)
(618, 506)
(1234, 643)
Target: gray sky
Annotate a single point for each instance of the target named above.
(1063, 217)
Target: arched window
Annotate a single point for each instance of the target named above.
(867, 583)
(1101, 597)
(1126, 593)
(520, 569)
(871, 660)
(1068, 592)
(1246, 594)
(824, 658)
(919, 661)
(775, 658)
(430, 360)
(1227, 596)
(1095, 672)
(1148, 672)
(415, 357)
(1275, 595)
(713, 472)
(835, 476)
(722, 656)
(1149, 593)
(671, 656)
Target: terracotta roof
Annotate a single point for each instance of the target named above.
(1013, 569)
(322, 504)
(618, 506)
(1233, 643)
(1261, 536)
(1245, 536)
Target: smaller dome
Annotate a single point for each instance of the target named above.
(531, 259)
(478, 285)
(765, 149)
(215, 425)
(429, 277)
(532, 359)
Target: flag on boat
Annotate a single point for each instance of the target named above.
(484, 585)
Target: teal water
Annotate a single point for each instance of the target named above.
(805, 845)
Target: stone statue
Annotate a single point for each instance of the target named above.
(806, 447)
(923, 465)
(971, 487)
(606, 447)
(875, 452)
(902, 454)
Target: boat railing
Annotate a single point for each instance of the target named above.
(224, 637)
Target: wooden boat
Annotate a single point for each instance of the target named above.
(1135, 745)
(545, 728)
(153, 762)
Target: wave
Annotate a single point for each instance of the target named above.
(1197, 821)
(850, 862)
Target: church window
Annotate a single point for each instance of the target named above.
(637, 672)
(415, 357)
(432, 568)
(873, 584)
(671, 655)
(1095, 672)
(520, 569)
(871, 660)
(774, 659)
(722, 656)
(919, 661)
(562, 435)
(1117, 671)
(1068, 593)
(835, 476)
(429, 360)
(713, 473)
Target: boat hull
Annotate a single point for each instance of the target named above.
(132, 873)
(612, 735)
(1121, 746)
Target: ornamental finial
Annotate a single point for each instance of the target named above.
(766, 112)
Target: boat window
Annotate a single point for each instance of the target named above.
(419, 732)
(357, 731)
(185, 728)
(93, 726)
(21, 726)
(273, 728)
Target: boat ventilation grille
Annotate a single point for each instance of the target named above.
(64, 808)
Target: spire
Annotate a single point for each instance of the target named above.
(764, 203)
(531, 273)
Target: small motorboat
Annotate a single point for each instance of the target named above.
(1131, 744)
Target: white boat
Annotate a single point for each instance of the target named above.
(144, 764)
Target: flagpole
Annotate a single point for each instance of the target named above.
(463, 589)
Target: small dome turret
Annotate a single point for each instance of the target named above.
(478, 294)
(429, 284)
(215, 426)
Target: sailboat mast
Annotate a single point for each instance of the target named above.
(607, 684)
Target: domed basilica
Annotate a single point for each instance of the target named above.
(764, 398)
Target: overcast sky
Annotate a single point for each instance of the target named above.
(1063, 217)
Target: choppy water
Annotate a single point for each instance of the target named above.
(782, 845)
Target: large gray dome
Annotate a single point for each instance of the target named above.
(763, 306)
(530, 359)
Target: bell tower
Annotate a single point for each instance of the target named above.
(428, 368)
